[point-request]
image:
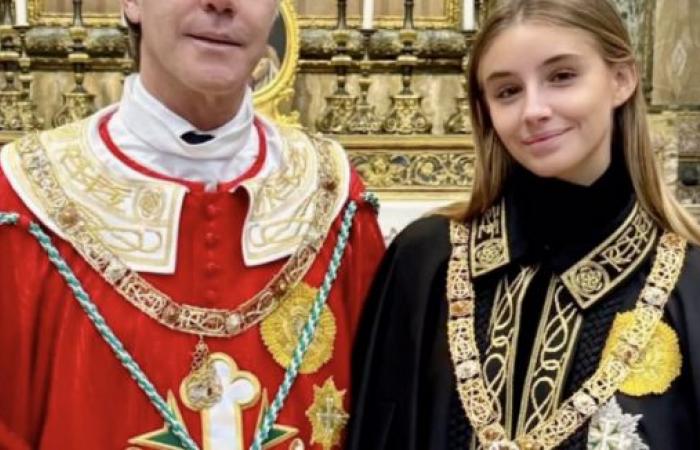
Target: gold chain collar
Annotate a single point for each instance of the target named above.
(595, 392)
(154, 303)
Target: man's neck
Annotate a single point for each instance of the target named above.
(205, 111)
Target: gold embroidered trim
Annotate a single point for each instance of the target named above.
(554, 346)
(490, 241)
(615, 258)
(504, 328)
(282, 203)
(594, 393)
(154, 303)
(659, 364)
(280, 331)
(588, 280)
(136, 218)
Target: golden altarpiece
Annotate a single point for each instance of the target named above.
(392, 93)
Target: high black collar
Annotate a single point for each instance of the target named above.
(591, 237)
(559, 222)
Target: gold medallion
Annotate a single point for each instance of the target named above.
(327, 415)
(281, 330)
(658, 365)
(201, 389)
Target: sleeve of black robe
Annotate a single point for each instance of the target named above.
(402, 375)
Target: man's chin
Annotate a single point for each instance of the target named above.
(219, 85)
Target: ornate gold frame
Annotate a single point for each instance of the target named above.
(39, 17)
(274, 99)
(449, 20)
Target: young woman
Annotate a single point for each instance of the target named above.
(559, 308)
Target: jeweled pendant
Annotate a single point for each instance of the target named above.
(202, 388)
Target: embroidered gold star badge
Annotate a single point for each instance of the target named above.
(281, 330)
(327, 416)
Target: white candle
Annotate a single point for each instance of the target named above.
(367, 14)
(468, 22)
(21, 12)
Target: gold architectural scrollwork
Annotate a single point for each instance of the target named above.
(406, 115)
(340, 106)
(414, 170)
(364, 120)
(38, 14)
(26, 108)
(449, 18)
(460, 121)
(10, 95)
(274, 99)
(78, 103)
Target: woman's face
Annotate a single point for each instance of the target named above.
(551, 96)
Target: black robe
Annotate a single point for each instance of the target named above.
(404, 391)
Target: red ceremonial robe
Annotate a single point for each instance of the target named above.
(61, 386)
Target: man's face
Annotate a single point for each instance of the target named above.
(207, 46)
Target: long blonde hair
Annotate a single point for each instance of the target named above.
(493, 162)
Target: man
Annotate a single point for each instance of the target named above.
(177, 272)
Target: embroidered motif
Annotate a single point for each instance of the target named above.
(553, 352)
(163, 438)
(611, 429)
(327, 415)
(284, 212)
(659, 364)
(134, 218)
(489, 240)
(610, 263)
(597, 390)
(280, 331)
(504, 329)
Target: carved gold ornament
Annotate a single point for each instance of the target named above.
(595, 392)
(658, 365)
(281, 330)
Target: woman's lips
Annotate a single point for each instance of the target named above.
(544, 137)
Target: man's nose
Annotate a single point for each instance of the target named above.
(219, 6)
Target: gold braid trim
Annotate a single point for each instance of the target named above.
(595, 392)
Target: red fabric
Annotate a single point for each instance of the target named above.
(62, 388)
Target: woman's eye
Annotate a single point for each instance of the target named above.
(563, 76)
(507, 92)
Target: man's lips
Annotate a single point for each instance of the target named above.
(215, 39)
(545, 136)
